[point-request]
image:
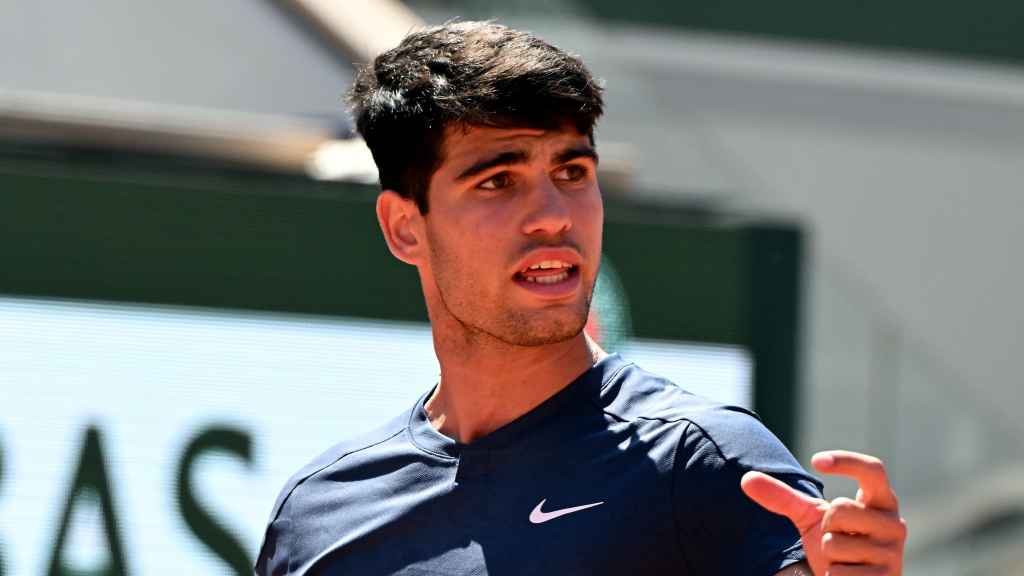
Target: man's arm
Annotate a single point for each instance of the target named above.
(721, 530)
(855, 536)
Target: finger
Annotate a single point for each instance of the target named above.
(846, 548)
(778, 497)
(867, 470)
(846, 515)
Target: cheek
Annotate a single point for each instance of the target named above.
(464, 244)
(590, 219)
(488, 228)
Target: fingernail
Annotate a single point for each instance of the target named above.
(822, 459)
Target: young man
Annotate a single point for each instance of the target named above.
(537, 452)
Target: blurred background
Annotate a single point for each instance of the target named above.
(812, 210)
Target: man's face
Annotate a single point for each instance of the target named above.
(514, 232)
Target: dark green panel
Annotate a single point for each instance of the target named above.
(775, 254)
(138, 232)
(267, 243)
(987, 29)
(87, 225)
(992, 29)
(684, 278)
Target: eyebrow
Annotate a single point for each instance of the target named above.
(502, 159)
(574, 153)
(520, 157)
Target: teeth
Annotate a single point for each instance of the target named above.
(548, 279)
(548, 264)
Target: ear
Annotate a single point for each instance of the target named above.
(400, 221)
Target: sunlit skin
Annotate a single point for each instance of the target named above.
(843, 537)
(504, 198)
(503, 349)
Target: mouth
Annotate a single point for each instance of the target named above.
(547, 272)
(549, 278)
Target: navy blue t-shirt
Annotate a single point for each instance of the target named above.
(621, 472)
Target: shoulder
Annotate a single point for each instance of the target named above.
(719, 529)
(311, 496)
(710, 433)
(632, 393)
(334, 456)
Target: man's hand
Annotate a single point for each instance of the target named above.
(842, 537)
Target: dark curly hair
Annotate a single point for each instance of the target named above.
(468, 73)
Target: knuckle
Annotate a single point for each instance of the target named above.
(828, 520)
(895, 555)
(901, 529)
(839, 513)
(832, 546)
(891, 555)
(828, 543)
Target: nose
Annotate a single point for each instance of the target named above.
(549, 210)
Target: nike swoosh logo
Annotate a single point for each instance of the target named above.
(539, 516)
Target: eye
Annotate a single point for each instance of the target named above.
(570, 173)
(497, 182)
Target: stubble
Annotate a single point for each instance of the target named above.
(484, 316)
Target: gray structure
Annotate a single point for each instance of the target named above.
(907, 171)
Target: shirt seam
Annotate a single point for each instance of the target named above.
(412, 437)
(672, 483)
(328, 465)
(733, 462)
(614, 375)
(291, 491)
(794, 551)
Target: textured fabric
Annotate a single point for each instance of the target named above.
(636, 477)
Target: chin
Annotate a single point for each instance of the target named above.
(544, 332)
(534, 340)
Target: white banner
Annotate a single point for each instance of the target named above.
(130, 388)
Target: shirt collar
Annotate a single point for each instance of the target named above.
(529, 427)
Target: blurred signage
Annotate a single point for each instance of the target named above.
(142, 439)
(177, 339)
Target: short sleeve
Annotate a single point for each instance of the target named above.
(273, 558)
(720, 530)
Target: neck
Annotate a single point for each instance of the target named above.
(485, 386)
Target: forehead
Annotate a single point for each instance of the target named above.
(464, 145)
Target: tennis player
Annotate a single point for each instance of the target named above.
(537, 452)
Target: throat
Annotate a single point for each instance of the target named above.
(475, 397)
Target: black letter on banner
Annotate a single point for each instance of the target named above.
(91, 475)
(213, 535)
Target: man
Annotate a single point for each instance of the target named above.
(537, 452)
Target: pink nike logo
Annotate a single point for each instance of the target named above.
(538, 516)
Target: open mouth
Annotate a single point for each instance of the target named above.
(548, 272)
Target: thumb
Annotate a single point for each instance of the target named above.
(776, 496)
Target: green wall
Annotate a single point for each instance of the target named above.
(94, 225)
(992, 29)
